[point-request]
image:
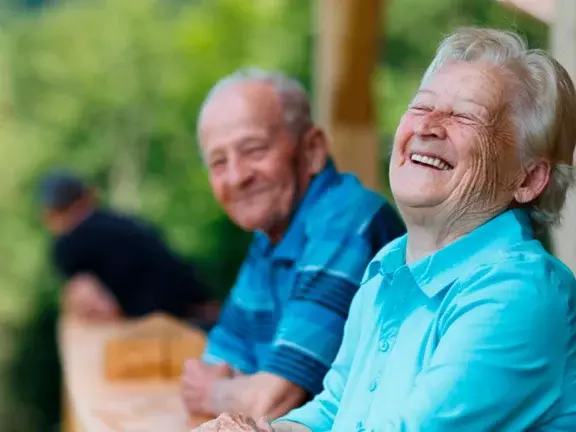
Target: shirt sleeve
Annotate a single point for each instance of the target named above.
(196, 289)
(500, 360)
(68, 258)
(229, 340)
(318, 415)
(310, 331)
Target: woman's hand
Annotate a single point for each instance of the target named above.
(235, 423)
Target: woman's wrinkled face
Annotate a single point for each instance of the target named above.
(454, 151)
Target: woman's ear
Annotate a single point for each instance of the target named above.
(536, 180)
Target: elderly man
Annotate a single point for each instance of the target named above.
(466, 323)
(315, 231)
(115, 265)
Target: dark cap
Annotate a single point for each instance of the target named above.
(59, 190)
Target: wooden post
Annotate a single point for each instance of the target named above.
(563, 46)
(347, 48)
(68, 422)
(541, 9)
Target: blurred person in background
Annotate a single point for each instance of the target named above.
(466, 323)
(115, 265)
(315, 230)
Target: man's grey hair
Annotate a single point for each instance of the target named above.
(544, 107)
(295, 102)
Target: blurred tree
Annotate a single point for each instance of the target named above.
(34, 376)
(112, 88)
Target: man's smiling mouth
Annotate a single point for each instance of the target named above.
(432, 162)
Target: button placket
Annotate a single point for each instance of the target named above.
(394, 309)
(373, 385)
(387, 339)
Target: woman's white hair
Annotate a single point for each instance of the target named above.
(544, 106)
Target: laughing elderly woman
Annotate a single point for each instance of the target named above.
(466, 323)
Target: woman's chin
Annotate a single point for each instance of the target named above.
(417, 199)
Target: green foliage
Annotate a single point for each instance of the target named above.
(34, 375)
(112, 88)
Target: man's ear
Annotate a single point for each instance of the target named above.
(315, 150)
(535, 181)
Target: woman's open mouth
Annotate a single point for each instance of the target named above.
(430, 162)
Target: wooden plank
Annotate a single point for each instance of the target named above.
(152, 348)
(347, 51)
(563, 47)
(97, 405)
(543, 10)
(68, 422)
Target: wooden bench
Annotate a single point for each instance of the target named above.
(93, 403)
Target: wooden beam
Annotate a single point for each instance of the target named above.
(347, 51)
(563, 46)
(543, 10)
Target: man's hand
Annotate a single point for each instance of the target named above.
(259, 395)
(86, 297)
(235, 423)
(198, 383)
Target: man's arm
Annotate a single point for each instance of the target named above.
(500, 360)
(228, 341)
(246, 394)
(258, 395)
(317, 415)
(228, 355)
(310, 332)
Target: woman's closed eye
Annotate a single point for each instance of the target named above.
(420, 109)
(464, 118)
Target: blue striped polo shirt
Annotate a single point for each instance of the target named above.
(286, 312)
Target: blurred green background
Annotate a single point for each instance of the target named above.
(111, 88)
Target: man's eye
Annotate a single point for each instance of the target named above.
(256, 151)
(216, 163)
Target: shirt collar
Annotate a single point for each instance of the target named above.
(436, 272)
(292, 242)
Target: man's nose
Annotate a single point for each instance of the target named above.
(431, 125)
(239, 172)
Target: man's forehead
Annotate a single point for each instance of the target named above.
(242, 101)
(239, 113)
